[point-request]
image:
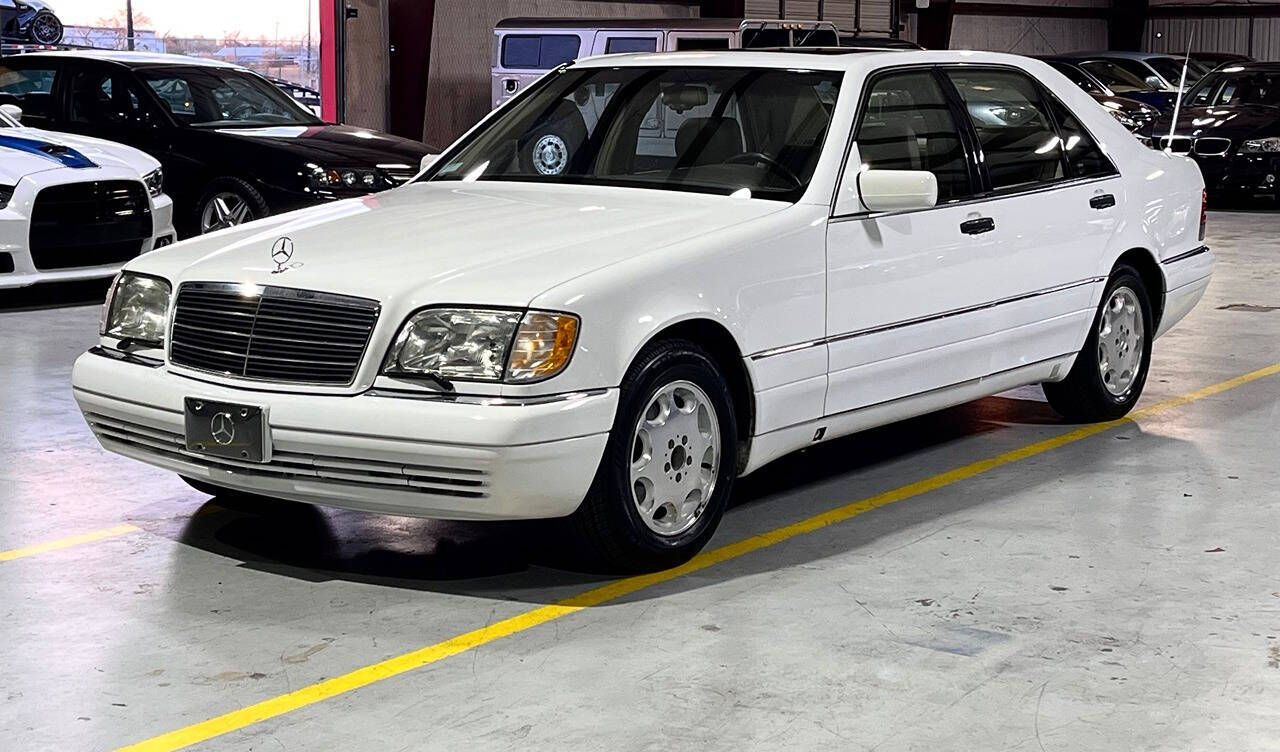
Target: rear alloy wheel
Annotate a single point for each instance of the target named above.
(668, 468)
(1111, 370)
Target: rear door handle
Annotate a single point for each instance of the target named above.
(1104, 201)
(977, 226)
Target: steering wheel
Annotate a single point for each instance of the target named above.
(759, 157)
(242, 112)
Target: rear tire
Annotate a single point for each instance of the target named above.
(668, 468)
(1110, 372)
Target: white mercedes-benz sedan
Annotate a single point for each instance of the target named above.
(73, 207)
(648, 275)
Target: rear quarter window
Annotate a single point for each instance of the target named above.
(539, 51)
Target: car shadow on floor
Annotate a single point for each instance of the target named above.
(531, 561)
(54, 295)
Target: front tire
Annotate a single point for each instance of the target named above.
(229, 202)
(1110, 372)
(668, 468)
(46, 28)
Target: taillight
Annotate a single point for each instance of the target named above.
(1204, 211)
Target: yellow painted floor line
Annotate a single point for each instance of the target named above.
(74, 540)
(361, 677)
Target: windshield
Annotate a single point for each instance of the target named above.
(1171, 69)
(1079, 78)
(1116, 78)
(202, 97)
(1218, 89)
(740, 131)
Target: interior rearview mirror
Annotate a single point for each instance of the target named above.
(427, 161)
(13, 111)
(897, 190)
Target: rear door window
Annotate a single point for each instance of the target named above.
(1084, 157)
(1020, 146)
(539, 51)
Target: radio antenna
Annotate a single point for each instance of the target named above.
(1182, 83)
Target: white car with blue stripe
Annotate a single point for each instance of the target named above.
(74, 208)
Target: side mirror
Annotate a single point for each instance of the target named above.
(1154, 82)
(427, 161)
(12, 110)
(897, 190)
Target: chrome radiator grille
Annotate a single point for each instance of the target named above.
(271, 333)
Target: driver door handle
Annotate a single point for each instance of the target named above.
(977, 226)
(1103, 201)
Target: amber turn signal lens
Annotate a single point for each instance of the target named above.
(543, 346)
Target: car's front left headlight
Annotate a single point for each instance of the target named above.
(344, 179)
(155, 182)
(1261, 145)
(470, 344)
(137, 308)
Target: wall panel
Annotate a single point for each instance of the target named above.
(1027, 36)
(462, 51)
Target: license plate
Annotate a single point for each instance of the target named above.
(224, 429)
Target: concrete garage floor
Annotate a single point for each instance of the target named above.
(1117, 592)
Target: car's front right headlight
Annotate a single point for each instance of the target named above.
(137, 308)
(1261, 145)
(479, 344)
(155, 182)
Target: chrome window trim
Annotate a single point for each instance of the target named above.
(924, 319)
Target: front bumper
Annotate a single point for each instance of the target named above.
(372, 451)
(18, 269)
(1242, 174)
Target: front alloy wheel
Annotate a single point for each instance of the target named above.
(675, 458)
(223, 210)
(46, 28)
(669, 464)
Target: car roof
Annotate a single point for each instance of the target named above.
(816, 58)
(1126, 55)
(672, 24)
(1248, 67)
(130, 59)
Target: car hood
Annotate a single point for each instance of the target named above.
(334, 145)
(1230, 121)
(15, 163)
(1126, 105)
(449, 242)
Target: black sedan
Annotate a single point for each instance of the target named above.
(1132, 114)
(233, 146)
(1230, 124)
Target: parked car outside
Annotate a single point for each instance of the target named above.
(303, 95)
(526, 48)
(74, 208)
(29, 22)
(234, 146)
(565, 316)
(1134, 115)
(1229, 124)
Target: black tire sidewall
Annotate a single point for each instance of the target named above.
(667, 365)
(1123, 276)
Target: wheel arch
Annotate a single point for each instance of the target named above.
(720, 343)
(1144, 262)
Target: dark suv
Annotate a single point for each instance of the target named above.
(233, 146)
